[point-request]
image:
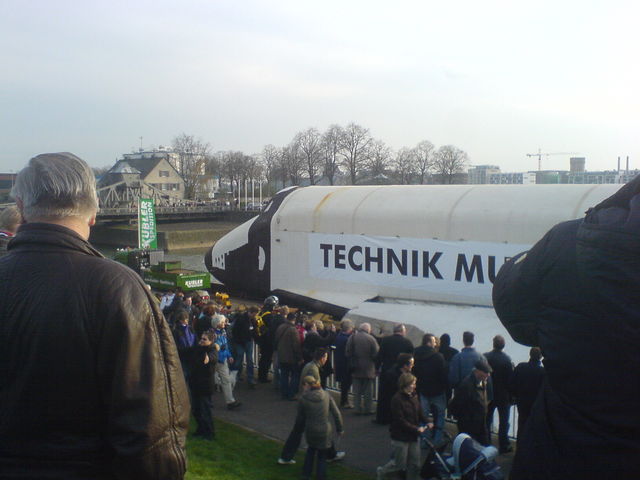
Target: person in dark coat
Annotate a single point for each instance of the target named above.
(389, 386)
(406, 426)
(445, 348)
(204, 321)
(90, 381)
(448, 352)
(470, 401)
(431, 372)
(242, 339)
(502, 368)
(315, 338)
(390, 347)
(185, 339)
(575, 294)
(525, 384)
(202, 384)
(289, 351)
(264, 336)
(341, 365)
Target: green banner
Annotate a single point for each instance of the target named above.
(147, 236)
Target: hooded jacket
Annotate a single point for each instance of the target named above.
(314, 409)
(90, 381)
(576, 295)
(431, 371)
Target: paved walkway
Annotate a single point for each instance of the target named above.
(366, 443)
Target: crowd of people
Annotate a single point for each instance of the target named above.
(97, 390)
(298, 354)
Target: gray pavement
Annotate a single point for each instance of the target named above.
(366, 443)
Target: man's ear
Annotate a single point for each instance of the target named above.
(92, 220)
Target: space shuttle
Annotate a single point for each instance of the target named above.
(422, 255)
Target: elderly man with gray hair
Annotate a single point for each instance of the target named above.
(361, 350)
(90, 381)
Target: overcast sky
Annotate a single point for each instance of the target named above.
(498, 79)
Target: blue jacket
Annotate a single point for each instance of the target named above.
(461, 365)
(225, 350)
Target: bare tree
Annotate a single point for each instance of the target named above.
(379, 159)
(269, 157)
(249, 171)
(213, 164)
(192, 156)
(355, 145)
(405, 165)
(331, 140)
(280, 168)
(231, 168)
(424, 158)
(310, 149)
(449, 160)
(292, 163)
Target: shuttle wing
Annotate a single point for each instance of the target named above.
(438, 318)
(419, 317)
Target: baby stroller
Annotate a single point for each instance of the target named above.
(468, 461)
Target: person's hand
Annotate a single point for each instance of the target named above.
(421, 429)
(430, 425)
(206, 359)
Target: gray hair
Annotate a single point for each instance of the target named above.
(346, 325)
(56, 185)
(365, 327)
(217, 320)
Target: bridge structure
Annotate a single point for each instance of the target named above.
(126, 193)
(164, 213)
(176, 213)
(118, 203)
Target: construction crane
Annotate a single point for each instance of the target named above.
(539, 155)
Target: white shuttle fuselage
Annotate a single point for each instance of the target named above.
(425, 256)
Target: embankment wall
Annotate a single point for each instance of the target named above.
(173, 238)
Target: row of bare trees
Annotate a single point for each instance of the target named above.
(353, 153)
(347, 154)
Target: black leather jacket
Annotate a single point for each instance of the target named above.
(576, 294)
(90, 382)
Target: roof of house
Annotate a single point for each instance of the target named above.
(122, 166)
(143, 166)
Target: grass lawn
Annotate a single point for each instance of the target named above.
(237, 453)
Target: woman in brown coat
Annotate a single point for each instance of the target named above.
(407, 424)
